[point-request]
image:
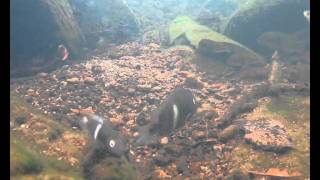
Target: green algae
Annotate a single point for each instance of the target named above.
(23, 160)
(27, 162)
(26, 159)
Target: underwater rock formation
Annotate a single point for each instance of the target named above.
(258, 16)
(214, 47)
(269, 135)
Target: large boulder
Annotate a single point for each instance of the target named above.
(214, 48)
(269, 135)
(258, 16)
(184, 30)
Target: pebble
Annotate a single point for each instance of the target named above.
(135, 134)
(198, 134)
(228, 133)
(21, 120)
(89, 80)
(164, 140)
(42, 74)
(73, 80)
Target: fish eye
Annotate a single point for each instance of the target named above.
(112, 143)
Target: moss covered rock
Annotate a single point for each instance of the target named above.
(204, 39)
(224, 54)
(255, 17)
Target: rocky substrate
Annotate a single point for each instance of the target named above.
(269, 135)
(125, 87)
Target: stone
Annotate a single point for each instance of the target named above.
(88, 80)
(269, 135)
(42, 74)
(21, 120)
(73, 80)
(198, 134)
(144, 88)
(164, 140)
(228, 132)
(162, 160)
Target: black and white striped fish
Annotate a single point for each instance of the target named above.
(172, 113)
(103, 134)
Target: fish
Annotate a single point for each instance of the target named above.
(178, 108)
(63, 52)
(306, 14)
(103, 135)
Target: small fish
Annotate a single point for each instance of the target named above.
(63, 52)
(103, 135)
(172, 114)
(306, 14)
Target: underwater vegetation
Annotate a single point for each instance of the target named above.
(150, 89)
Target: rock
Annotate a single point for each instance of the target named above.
(157, 88)
(182, 165)
(141, 119)
(131, 92)
(232, 91)
(154, 46)
(135, 134)
(88, 80)
(237, 174)
(206, 41)
(160, 174)
(195, 167)
(193, 83)
(164, 140)
(73, 80)
(54, 134)
(144, 88)
(42, 75)
(30, 92)
(174, 149)
(256, 13)
(162, 160)
(116, 121)
(269, 135)
(228, 133)
(212, 90)
(21, 120)
(198, 134)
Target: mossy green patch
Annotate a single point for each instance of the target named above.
(26, 161)
(23, 160)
